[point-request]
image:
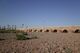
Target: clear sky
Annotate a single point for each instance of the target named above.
(40, 12)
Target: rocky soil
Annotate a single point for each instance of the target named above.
(46, 42)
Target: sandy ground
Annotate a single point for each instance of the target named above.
(47, 42)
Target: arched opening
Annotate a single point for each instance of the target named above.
(41, 30)
(65, 31)
(77, 31)
(47, 30)
(30, 30)
(54, 30)
(35, 30)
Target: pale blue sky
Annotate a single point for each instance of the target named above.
(40, 12)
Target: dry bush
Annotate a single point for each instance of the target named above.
(21, 36)
(8, 31)
(68, 50)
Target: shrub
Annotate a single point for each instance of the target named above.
(21, 37)
(7, 31)
(68, 50)
(35, 37)
(13, 31)
(25, 33)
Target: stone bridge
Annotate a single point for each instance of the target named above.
(65, 29)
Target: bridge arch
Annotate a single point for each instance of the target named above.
(47, 30)
(30, 30)
(65, 31)
(55, 30)
(77, 31)
(35, 30)
(40, 30)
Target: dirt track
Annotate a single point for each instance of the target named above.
(47, 42)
